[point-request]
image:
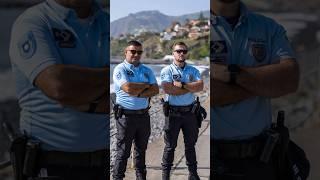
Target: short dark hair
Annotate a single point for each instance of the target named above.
(180, 43)
(134, 43)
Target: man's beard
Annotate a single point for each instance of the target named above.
(181, 60)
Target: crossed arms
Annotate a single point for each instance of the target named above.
(140, 89)
(174, 88)
(270, 81)
(76, 86)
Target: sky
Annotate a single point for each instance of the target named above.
(121, 8)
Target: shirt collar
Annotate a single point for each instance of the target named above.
(66, 13)
(130, 66)
(185, 66)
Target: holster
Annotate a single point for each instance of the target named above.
(31, 160)
(17, 156)
(165, 107)
(271, 140)
(199, 111)
(282, 147)
(117, 111)
(24, 158)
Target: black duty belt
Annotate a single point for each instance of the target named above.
(238, 149)
(135, 112)
(82, 159)
(181, 109)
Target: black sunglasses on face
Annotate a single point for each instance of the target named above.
(184, 51)
(135, 51)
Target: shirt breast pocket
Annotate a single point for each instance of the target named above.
(189, 78)
(144, 77)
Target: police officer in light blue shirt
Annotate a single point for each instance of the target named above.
(134, 85)
(186, 74)
(59, 52)
(126, 72)
(179, 81)
(251, 62)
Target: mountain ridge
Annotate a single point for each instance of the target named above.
(152, 21)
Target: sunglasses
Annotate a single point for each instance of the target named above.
(135, 52)
(184, 51)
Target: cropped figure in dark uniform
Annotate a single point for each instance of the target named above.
(251, 62)
(60, 58)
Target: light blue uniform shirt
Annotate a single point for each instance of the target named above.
(255, 41)
(49, 34)
(126, 72)
(175, 73)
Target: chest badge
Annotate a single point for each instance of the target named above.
(130, 74)
(259, 51)
(64, 37)
(176, 77)
(219, 51)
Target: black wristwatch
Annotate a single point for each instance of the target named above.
(182, 85)
(233, 69)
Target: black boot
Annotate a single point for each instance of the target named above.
(166, 175)
(193, 173)
(142, 175)
(194, 177)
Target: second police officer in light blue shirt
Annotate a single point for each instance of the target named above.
(251, 62)
(180, 81)
(134, 85)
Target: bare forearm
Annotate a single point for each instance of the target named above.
(170, 89)
(152, 91)
(194, 86)
(271, 80)
(225, 94)
(134, 89)
(73, 85)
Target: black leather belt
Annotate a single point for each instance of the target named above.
(181, 109)
(78, 159)
(238, 149)
(135, 112)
